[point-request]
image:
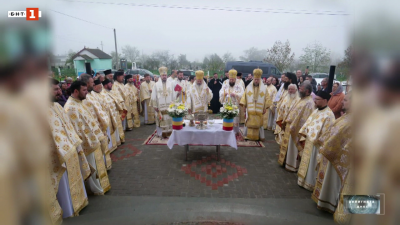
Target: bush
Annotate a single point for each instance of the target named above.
(65, 72)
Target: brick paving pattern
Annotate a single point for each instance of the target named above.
(155, 170)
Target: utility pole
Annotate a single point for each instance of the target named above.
(116, 51)
(102, 45)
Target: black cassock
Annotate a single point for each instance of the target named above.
(214, 104)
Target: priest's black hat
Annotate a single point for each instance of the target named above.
(97, 82)
(324, 95)
(106, 72)
(106, 81)
(117, 74)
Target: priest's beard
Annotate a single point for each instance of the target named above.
(55, 98)
(286, 85)
(292, 96)
(147, 81)
(81, 97)
(180, 79)
(302, 94)
(256, 85)
(231, 84)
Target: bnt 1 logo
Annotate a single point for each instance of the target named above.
(29, 14)
(364, 204)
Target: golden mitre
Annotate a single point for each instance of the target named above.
(199, 75)
(232, 73)
(163, 70)
(257, 73)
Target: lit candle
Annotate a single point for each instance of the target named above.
(224, 93)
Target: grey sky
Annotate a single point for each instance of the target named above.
(197, 33)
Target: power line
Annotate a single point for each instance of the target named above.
(74, 40)
(229, 9)
(79, 19)
(115, 37)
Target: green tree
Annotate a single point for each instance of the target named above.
(182, 61)
(254, 54)
(213, 63)
(195, 65)
(130, 53)
(280, 54)
(316, 56)
(70, 59)
(153, 62)
(343, 67)
(228, 57)
(114, 59)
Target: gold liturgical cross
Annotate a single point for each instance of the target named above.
(249, 93)
(262, 94)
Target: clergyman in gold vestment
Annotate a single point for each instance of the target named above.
(256, 100)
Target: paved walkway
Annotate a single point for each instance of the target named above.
(248, 177)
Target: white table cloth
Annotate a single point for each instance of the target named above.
(213, 135)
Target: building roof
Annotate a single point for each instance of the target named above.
(97, 52)
(85, 57)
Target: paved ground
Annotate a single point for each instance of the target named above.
(251, 175)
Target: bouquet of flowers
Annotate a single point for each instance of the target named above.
(229, 110)
(177, 110)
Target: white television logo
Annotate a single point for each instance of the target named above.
(23, 14)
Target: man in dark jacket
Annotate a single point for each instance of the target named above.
(313, 83)
(215, 85)
(226, 76)
(249, 79)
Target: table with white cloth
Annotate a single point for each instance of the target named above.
(212, 136)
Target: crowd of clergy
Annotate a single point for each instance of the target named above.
(313, 134)
(89, 126)
(314, 142)
(91, 123)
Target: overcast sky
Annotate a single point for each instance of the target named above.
(197, 33)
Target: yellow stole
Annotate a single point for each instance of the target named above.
(255, 99)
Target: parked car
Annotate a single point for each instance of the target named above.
(247, 68)
(188, 73)
(102, 71)
(319, 76)
(141, 72)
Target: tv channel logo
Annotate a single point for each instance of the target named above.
(29, 14)
(364, 204)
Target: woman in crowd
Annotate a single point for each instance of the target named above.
(337, 96)
(275, 82)
(301, 80)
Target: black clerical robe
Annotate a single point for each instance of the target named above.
(215, 105)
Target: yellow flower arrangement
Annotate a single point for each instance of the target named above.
(177, 109)
(229, 111)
